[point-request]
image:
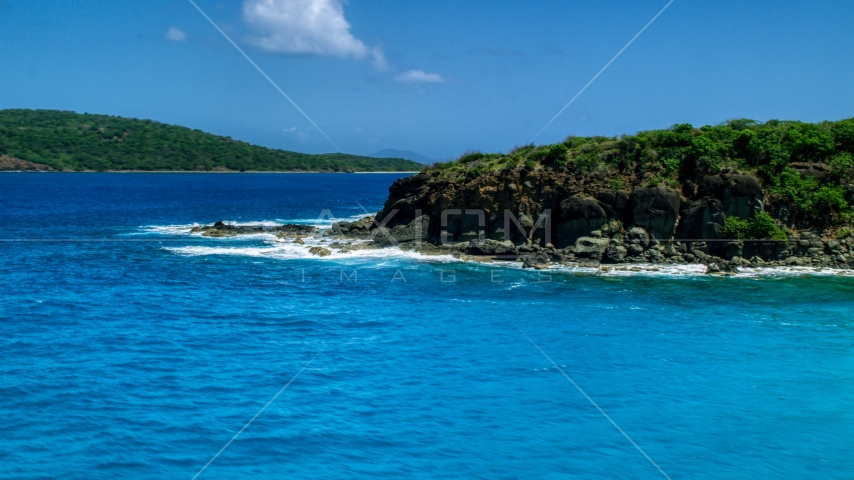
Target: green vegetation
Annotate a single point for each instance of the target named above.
(844, 233)
(613, 228)
(616, 184)
(761, 226)
(781, 154)
(77, 142)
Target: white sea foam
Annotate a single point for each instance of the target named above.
(288, 250)
(693, 270)
(649, 269)
(793, 271)
(170, 230)
(184, 229)
(321, 222)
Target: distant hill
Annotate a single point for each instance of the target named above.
(392, 153)
(79, 142)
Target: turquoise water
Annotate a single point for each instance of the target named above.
(133, 349)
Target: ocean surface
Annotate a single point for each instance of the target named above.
(130, 348)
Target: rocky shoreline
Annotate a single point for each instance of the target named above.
(564, 216)
(636, 248)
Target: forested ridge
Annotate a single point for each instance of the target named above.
(71, 141)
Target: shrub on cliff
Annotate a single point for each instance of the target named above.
(761, 227)
(808, 195)
(550, 155)
(613, 228)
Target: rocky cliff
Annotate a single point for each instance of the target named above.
(562, 210)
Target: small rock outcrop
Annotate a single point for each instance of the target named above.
(221, 229)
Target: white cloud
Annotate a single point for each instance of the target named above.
(419, 76)
(175, 35)
(307, 27)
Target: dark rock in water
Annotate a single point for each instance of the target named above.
(535, 260)
(721, 267)
(319, 251)
(655, 210)
(221, 229)
(491, 247)
(359, 229)
(412, 232)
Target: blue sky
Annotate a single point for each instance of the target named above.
(437, 77)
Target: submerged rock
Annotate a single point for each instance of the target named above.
(721, 267)
(535, 260)
(319, 251)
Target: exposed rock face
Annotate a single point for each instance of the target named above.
(818, 171)
(8, 163)
(703, 219)
(656, 210)
(579, 216)
(638, 236)
(412, 232)
(359, 228)
(740, 195)
(491, 247)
